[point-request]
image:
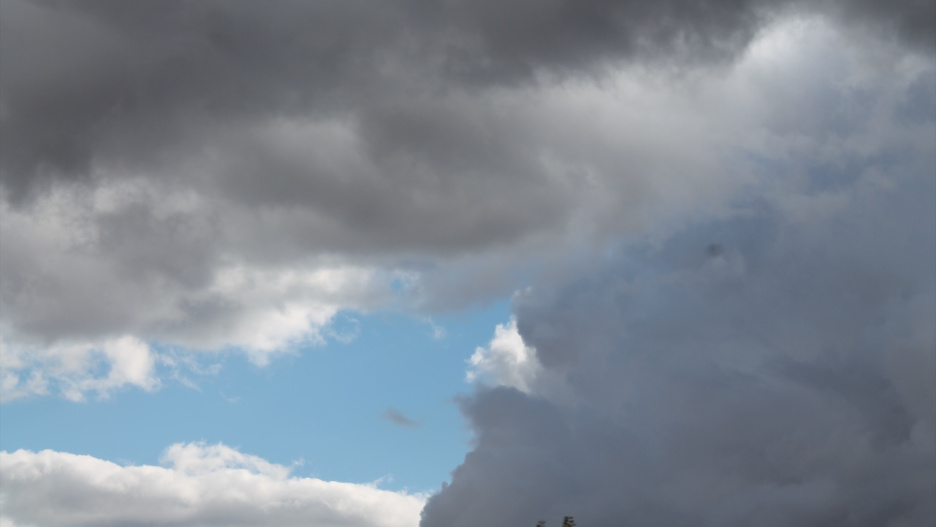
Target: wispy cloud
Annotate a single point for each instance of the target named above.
(398, 418)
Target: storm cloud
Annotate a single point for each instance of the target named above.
(785, 378)
(221, 174)
(97, 87)
(719, 216)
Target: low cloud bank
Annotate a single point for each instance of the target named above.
(198, 485)
(772, 365)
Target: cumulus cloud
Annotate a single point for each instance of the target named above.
(769, 364)
(785, 379)
(726, 209)
(72, 370)
(507, 361)
(196, 485)
(224, 175)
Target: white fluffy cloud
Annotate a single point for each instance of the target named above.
(507, 361)
(72, 369)
(88, 273)
(197, 485)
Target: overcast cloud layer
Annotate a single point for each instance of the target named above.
(225, 175)
(726, 211)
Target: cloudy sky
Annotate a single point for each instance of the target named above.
(449, 263)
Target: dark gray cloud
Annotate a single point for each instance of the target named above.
(227, 174)
(786, 378)
(90, 82)
(911, 21)
(93, 83)
(399, 418)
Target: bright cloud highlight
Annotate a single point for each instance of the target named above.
(198, 485)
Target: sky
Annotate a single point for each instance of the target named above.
(440, 263)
